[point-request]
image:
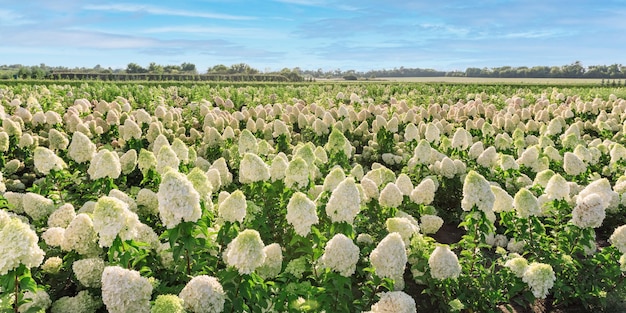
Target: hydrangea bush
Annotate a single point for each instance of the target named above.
(286, 198)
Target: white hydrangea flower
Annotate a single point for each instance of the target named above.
(81, 236)
(589, 212)
(83, 302)
(233, 208)
(89, 271)
(57, 140)
(116, 193)
(618, 238)
(515, 246)
(603, 188)
(391, 196)
(112, 218)
(253, 169)
(503, 201)
(54, 236)
(146, 161)
(507, 162)
(279, 167)
(444, 263)
(38, 299)
(245, 252)
(301, 213)
(178, 199)
(130, 130)
(105, 163)
(46, 160)
(168, 303)
(573, 165)
(128, 161)
(18, 244)
(181, 150)
(526, 204)
(344, 202)
(297, 173)
(430, 224)
(37, 206)
(622, 263)
(247, 143)
(340, 255)
(203, 294)
(540, 278)
(461, 140)
(432, 133)
(403, 226)
(557, 188)
(149, 200)
(477, 192)
(226, 177)
(411, 132)
(422, 153)
(337, 142)
(201, 183)
(394, 302)
(52, 265)
(424, 193)
(159, 142)
(389, 257)
(404, 183)
(125, 290)
(333, 179)
(62, 216)
(365, 239)
(4, 141)
(273, 261)
(370, 189)
(166, 158)
(517, 264)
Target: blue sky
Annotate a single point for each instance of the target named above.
(312, 34)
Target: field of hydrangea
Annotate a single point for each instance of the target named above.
(377, 197)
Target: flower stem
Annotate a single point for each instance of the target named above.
(17, 292)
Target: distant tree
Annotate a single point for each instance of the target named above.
(24, 72)
(188, 67)
(218, 69)
(172, 69)
(155, 68)
(134, 68)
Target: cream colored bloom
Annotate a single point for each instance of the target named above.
(178, 200)
(389, 257)
(301, 213)
(125, 290)
(344, 202)
(253, 169)
(46, 160)
(444, 263)
(246, 252)
(526, 204)
(540, 278)
(233, 208)
(203, 294)
(340, 255)
(477, 192)
(105, 163)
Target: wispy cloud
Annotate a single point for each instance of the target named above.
(245, 32)
(11, 18)
(155, 10)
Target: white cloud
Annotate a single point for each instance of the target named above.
(149, 9)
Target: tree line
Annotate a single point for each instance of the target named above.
(573, 70)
